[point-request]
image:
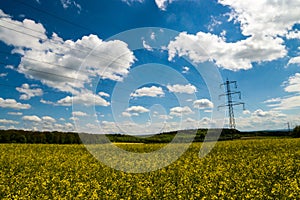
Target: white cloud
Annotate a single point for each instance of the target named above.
(147, 46)
(293, 84)
(87, 99)
(264, 23)
(15, 113)
(152, 36)
(214, 23)
(67, 3)
(246, 112)
(12, 103)
(69, 126)
(32, 118)
(28, 92)
(188, 89)
(48, 119)
(262, 120)
(233, 56)
(74, 118)
(189, 120)
(185, 69)
(129, 2)
(7, 121)
(47, 102)
(126, 114)
(108, 60)
(103, 94)
(137, 109)
(3, 75)
(9, 67)
(165, 117)
(261, 113)
(293, 35)
(179, 111)
(289, 102)
(203, 104)
(162, 4)
(79, 113)
(19, 39)
(273, 100)
(294, 60)
(152, 91)
(264, 17)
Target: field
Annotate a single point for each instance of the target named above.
(240, 169)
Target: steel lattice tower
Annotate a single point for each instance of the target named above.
(230, 103)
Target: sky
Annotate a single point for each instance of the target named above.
(148, 66)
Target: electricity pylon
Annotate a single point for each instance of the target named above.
(230, 103)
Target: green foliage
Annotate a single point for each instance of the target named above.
(296, 131)
(20, 136)
(241, 169)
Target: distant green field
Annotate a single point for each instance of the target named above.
(240, 169)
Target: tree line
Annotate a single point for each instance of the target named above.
(55, 137)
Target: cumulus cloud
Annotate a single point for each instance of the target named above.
(74, 118)
(147, 46)
(162, 4)
(48, 119)
(126, 114)
(15, 113)
(3, 75)
(67, 3)
(293, 35)
(264, 23)
(152, 91)
(271, 18)
(28, 93)
(103, 94)
(137, 109)
(273, 100)
(165, 117)
(292, 85)
(203, 104)
(79, 113)
(179, 111)
(185, 69)
(177, 88)
(129, 2)
(152, 36)
(55, 62)
(12, 103)
(246, 112)
(294, 60)
(134, 111)
(7, 121)
(87, 99)
(261, 113)
(233, 56)
(31, 118)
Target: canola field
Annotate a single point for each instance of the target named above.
(241, 169)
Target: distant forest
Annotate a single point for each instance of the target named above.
(35, 137)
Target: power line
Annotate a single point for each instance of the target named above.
(54, 16)
(89, 53)
(230, 103)
(101, 85)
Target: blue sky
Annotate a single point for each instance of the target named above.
(147, 66)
